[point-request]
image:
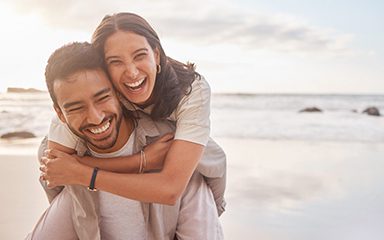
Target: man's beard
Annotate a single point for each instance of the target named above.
(98, 144)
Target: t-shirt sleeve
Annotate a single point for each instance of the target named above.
(192, 114)
(61, 134)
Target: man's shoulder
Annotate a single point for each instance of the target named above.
(151, 127)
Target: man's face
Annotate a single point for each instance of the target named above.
(88, 105)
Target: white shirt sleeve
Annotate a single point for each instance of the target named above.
(192, 114)
(61, 134)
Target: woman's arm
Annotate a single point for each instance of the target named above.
(154, 153)
(126, 164)
(162, 187)
(61, 138)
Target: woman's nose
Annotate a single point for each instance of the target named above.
(132, 71)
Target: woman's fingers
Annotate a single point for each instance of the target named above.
(42, 176)
(44, 160)
(43, 168)
(47, 153)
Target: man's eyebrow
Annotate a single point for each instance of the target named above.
(101, 92)
(70, 104)
(98, 94)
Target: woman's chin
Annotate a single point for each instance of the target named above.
(138, 96)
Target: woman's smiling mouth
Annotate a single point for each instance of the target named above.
(136, 85)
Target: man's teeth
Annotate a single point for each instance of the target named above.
(100, 129)
(135, 84)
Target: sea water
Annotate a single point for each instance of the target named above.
(254, 116)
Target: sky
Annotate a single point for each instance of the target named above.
(240, 46)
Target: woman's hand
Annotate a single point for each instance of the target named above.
(59, 168)
(156, 152)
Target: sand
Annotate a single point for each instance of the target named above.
(22, 198)
(283, 190)
(277, 190)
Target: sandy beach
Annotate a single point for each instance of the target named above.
(277, 190)
(22, 199)
(299, 190)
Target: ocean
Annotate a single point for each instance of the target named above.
(249, 116)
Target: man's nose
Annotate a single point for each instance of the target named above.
(95, 116)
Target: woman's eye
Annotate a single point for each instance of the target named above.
(114, 62)
(140, 56)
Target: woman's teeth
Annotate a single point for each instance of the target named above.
(100, 129)
(136, 84)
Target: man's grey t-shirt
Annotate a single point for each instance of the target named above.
(120, 218)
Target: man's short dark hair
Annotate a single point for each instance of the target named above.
(69, 59)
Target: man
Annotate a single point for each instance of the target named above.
(84, 99)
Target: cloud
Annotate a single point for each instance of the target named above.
(67, 15)
(257, 32)
(215, 23)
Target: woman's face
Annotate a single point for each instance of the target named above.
(131, 63)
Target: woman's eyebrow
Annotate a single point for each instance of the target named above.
(136, 51)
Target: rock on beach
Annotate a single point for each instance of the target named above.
(373, 111)
(20, 134)
(311, 109)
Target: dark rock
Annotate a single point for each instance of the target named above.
(373, 111)
(21, 134)
(311, 109)
(23, 90)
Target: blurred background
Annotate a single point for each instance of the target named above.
(297, 104)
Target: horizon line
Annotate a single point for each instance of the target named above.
(239, 93)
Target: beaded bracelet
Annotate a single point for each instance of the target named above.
(143, 162)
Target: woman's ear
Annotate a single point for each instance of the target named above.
(157, 55)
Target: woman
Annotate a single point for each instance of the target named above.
(164, 88)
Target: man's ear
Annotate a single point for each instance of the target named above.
(59, 113)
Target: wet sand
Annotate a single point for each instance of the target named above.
(277, 190)
(295, 190)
